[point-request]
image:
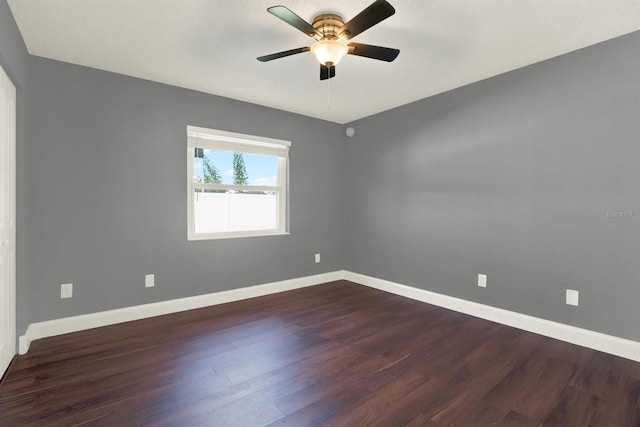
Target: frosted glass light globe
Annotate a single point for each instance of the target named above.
(329, 51)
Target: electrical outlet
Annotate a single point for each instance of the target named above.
(482, 280)
(149, 280)
(66, 290)
(317, 258)
(573, 297)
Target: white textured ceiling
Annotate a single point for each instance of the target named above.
(212, 45)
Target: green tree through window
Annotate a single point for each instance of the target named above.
(240, 176)
(211, 174)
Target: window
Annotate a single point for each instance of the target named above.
(237, 184)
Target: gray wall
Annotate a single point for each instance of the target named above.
(14, 59)
(514, 177)
(106, 193)
(13, 53)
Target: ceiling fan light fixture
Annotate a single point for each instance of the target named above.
(329, 52)
(328, 29)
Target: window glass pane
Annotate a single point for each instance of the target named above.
(223, 211)
(227, 167)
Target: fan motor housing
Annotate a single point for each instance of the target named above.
(328, 25)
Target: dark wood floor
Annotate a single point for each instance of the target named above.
(337, 354)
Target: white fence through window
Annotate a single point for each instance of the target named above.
(221, 212)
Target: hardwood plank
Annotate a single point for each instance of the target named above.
(337, 354)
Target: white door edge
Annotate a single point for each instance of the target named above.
(8, 218)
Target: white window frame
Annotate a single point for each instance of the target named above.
(236, 142)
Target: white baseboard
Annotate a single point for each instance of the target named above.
(582, 337)
(66, 325)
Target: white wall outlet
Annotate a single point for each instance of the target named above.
(482, 280)
(149, 280)
(317, 258)
(66, 290)
(573, 297)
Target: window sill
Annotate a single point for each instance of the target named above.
(218, 236)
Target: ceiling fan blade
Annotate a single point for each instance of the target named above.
(374, 52)
(378, 11)
(324, 72)
(294, 20)
(283, 54)
(327, 72)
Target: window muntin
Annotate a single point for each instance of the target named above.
(237, 184)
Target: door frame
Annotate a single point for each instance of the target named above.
(9, 241)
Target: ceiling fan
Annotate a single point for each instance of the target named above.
(328, 29)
